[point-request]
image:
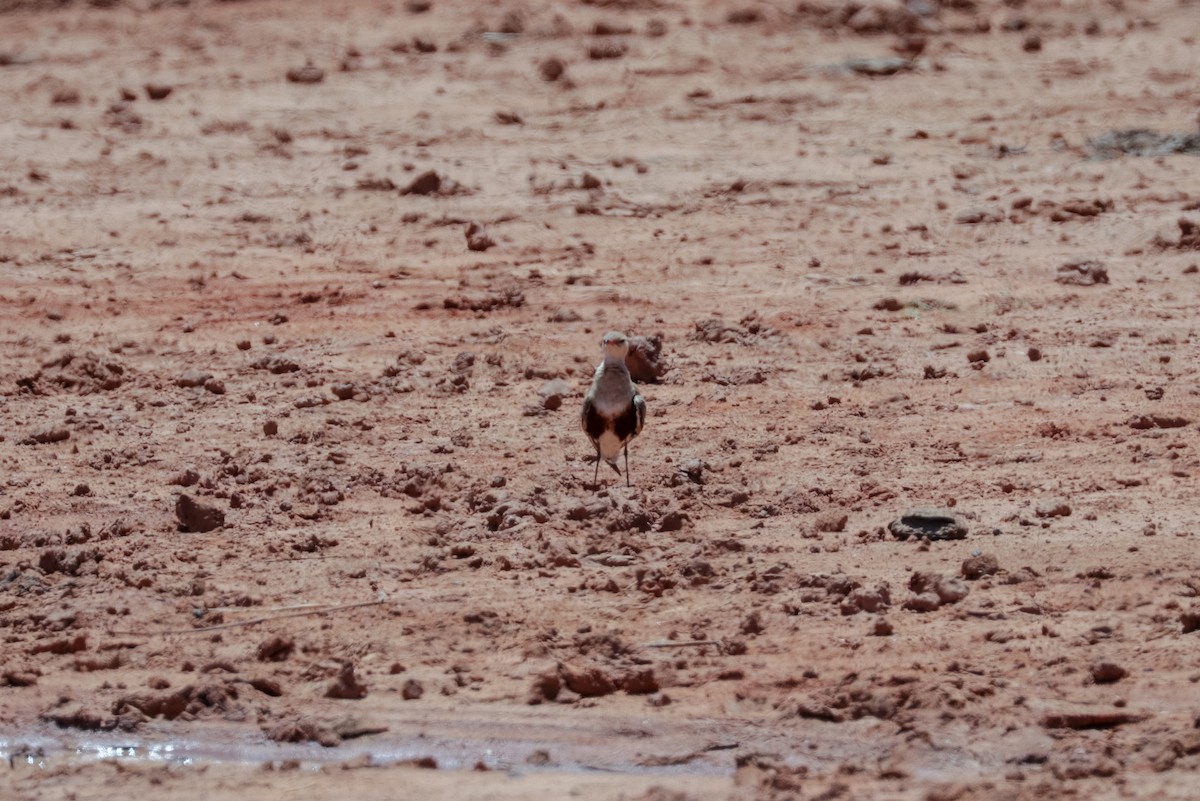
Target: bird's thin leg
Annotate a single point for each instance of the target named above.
(627, 466)
(596, 473)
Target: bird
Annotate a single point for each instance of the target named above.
(613, 410)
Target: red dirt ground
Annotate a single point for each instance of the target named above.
(235, 267)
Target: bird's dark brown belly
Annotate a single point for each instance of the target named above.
(625, 424)
(595, 423)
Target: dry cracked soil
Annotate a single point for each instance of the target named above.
(299, 301)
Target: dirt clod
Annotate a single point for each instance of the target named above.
(309, 74)
(346, 685)
(551, 69)
(197, 516)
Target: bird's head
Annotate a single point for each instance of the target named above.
(615, 344)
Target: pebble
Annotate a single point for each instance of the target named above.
(427, 183)
(192, 378)
(978, 216)
(552, 393)
(346, 686)
(946, 589)
(158, 91)
(477, 237)
(1053, 509)
(551, 69)
(276, 363)
(309, 73)
(923, 602)
(1082, 272)
(197, 517)
(47, 435)
(981, 565)
(186, 478)
(877, 67)
(930, 524)
(1107, 672)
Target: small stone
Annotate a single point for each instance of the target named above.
(931, 524)
(923, 602)
(946, 589)
(693, 470)
(878, 66)
(346, 686)
(309, 73)
(588, 681)
(1053, 509)
(976, 567)
(545, 687)
(1190, 620)
(243, 344)
(882, 627)
(672, 521)
(477, 238)
(1032, 43)
(412, 690)
(185, 478)
(427, 183)
(640, 682)
(539, 758)
(197, 517)
(871, 600)
(977, 216)
(81, 490)
(950, 590)
(276, 364)
(275, 649)
(270, 428)
(158, 91)
(47, 435)
(1082, 272)
(192, 378)
(551, 69)
(1108, 672)
(831, 522)
(552, 393)
(215, 386)
(343, 391)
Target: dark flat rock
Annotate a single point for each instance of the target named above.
(928, 524)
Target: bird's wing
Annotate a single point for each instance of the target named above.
(588, 410)
(591, 420)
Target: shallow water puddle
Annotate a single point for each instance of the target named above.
(511, 742)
